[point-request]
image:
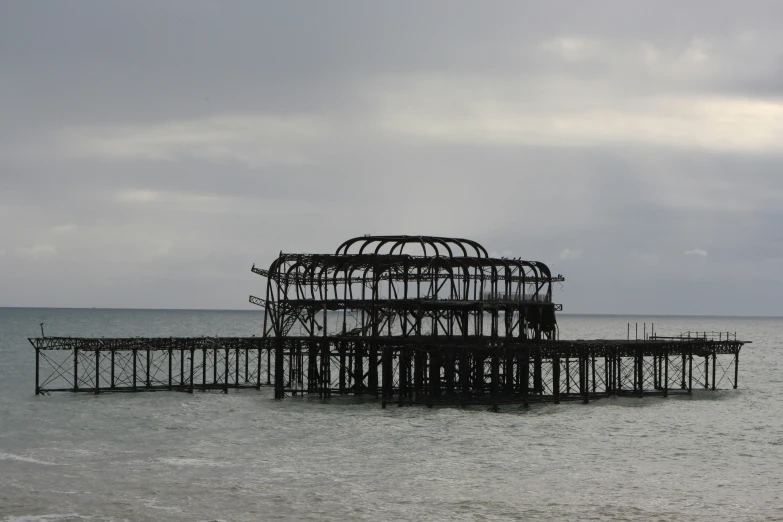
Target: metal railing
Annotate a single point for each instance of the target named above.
(515, 297)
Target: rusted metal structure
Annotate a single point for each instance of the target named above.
(407, 319)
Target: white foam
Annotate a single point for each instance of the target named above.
(183, 461)
(20, 458)
(38, 518)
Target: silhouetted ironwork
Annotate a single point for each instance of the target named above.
(407, 319)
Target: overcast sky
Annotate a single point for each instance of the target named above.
(151, 152)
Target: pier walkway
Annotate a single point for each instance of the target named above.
(399, 369)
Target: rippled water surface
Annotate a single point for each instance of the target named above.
(243, 456)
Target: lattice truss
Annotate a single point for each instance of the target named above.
(429, 373)
(138, 364)
(408, 285)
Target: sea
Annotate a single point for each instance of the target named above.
(244, 456)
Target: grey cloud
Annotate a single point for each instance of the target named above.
(149, 153)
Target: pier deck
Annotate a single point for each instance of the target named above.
(403, 370)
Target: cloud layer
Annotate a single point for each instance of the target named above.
(150, 153)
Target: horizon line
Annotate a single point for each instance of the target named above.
(252, 310)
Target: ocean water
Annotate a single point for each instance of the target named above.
(243, 456)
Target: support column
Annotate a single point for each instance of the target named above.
(736, 368)
(279, 370)
(225, 371)
(76, 369)
(706, 372)
(343, 368)
(404, 375)
(524, 380)
(538, 384)
(683, 386)
(386, 375)
(215, 366)
(584, 362)
(236, 365)
(358, 371)
(38, 371)
(556, 379)
(666, 372)
(258, 368)
(640, 370)
(464, 375)
(204, 369)
(435, 364)
(495, 377)
(97, 371)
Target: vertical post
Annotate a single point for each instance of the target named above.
(97, 371)
(343, 368)
(690, 371)
(326, 369)
(655, 370)
(583, 378)
(236, 367)
(38, 371)
(524, 380)
(538, 384)
(258, 368)
(464, 373)
(225, 377)
(404, 374)
(215, 365)
(204, 369)
(714, 360)
(111, 383)
(192, 356)
(706, 372)
(593, 371)
(268, 365)
(386, 375)
(495, 376)
(134, 353)
(182, 366)
(75, 369)
(171, 354)
(358, 371)
(682, 382)
(556, 378)
(418, 373)
(666, 371)
(736, 368)
(279, 377)
(435, 364)
(148, 368)
(640, 369)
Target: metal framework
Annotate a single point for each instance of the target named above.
(407, 319)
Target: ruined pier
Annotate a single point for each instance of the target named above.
(405, 319)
